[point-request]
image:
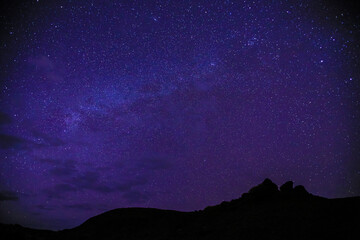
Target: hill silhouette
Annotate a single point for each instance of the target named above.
(265, 212)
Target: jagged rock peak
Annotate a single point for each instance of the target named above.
(287, 187)
(300, 190)
(267, 181)
(265, 189)
(269, 189)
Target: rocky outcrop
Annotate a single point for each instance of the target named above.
(265, 212)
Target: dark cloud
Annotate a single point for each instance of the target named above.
(42, 63)
(154, 163)
(64, 168)
(59, 190)
(62, 171)
(84, 206)
(102, 188)
(86, 180)
(64, 187)
(91, 181)
(49, 160)
(10, 142)
(45, 65)
(8, 196)
(127, 185)
(82, 181)
(44, 140)
(80, 206)
(136, 196)
(44, 207)
(4, 119)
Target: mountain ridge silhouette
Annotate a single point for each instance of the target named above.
(266, 211)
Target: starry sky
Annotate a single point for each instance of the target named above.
(173, 104)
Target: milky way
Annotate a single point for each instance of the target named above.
(173, 104)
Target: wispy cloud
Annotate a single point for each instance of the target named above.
(8, 196)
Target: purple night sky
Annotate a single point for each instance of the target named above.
(173, 104)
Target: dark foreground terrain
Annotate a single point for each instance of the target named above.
(265, 212)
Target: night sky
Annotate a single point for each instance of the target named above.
(173, 104)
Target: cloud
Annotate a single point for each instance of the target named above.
(8, 196)
(59, 190)
(42, 63)
(136, 196)
(80, 182)
(154, 163)
(49, 160)
(46, 208)
(45, 140)
(65, 168)
(91, 181)
(46, 66)
(86, 180)
(62, 171)
(80, 206)
(8, 141)
(102, 188)
(4, 119)
(11, 142)
(128, 184)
